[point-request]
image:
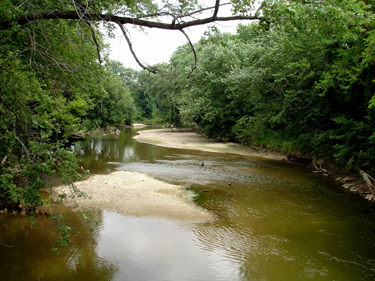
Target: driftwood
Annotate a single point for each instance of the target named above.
(369, 180)
(320, 169)
(3, 161)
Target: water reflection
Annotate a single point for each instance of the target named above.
(99, 152)
(274, 221)
(27, 254)
(158, 249)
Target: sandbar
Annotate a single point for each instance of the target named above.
(135, 194)
(189, 139)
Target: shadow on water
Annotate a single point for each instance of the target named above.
(275, 221)
(26, 251)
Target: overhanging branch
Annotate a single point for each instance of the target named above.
(195, 54)
(152, 70)
(95, 41)
(178, 22)
(72, 15)
(217, 5)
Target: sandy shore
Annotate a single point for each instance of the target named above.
(188, 139)
(136, 194)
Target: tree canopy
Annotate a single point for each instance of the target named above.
(172, 15)
(301, 79)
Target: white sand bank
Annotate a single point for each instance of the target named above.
(136, 194)
(188, 139)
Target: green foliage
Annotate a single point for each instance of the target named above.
(112, 104)
(51, 86)
(9, 191)
(153, 96)
(354, 142)
(299, 80)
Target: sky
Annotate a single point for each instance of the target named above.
(157, 45)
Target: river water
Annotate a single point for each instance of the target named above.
(274, 221)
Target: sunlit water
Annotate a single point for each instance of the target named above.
(274, 221)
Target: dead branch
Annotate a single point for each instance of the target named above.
(3, 243)
(149, 69)
(204, 9)
(3, 161)
(15, 134)
(367, 178)
(95, 41)
(195, 54)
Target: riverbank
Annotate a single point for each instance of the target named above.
(189, 139)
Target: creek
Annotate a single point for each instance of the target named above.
(274, 221)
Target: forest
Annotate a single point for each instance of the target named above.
(297, 76)
(302, 84)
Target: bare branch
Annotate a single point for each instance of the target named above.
(152, 70)
(14, 56)
(312, 2)
(204, 9)
(31, 44)
(4, 244)
(21, 4)
(15, 134)
(184, 15)
(367, 178)
(4, 159)
(95, 41)
(161, 14)
(217, 5)
(195, 54)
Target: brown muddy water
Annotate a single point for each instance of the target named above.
(274, 221)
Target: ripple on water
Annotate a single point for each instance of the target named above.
(274, 222)
(158, 249)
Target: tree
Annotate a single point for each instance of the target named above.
(42, 101)
(52, 78)
(111, 104)
(165, 15)
(52, 82)
(181, 14)
(300, 82)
